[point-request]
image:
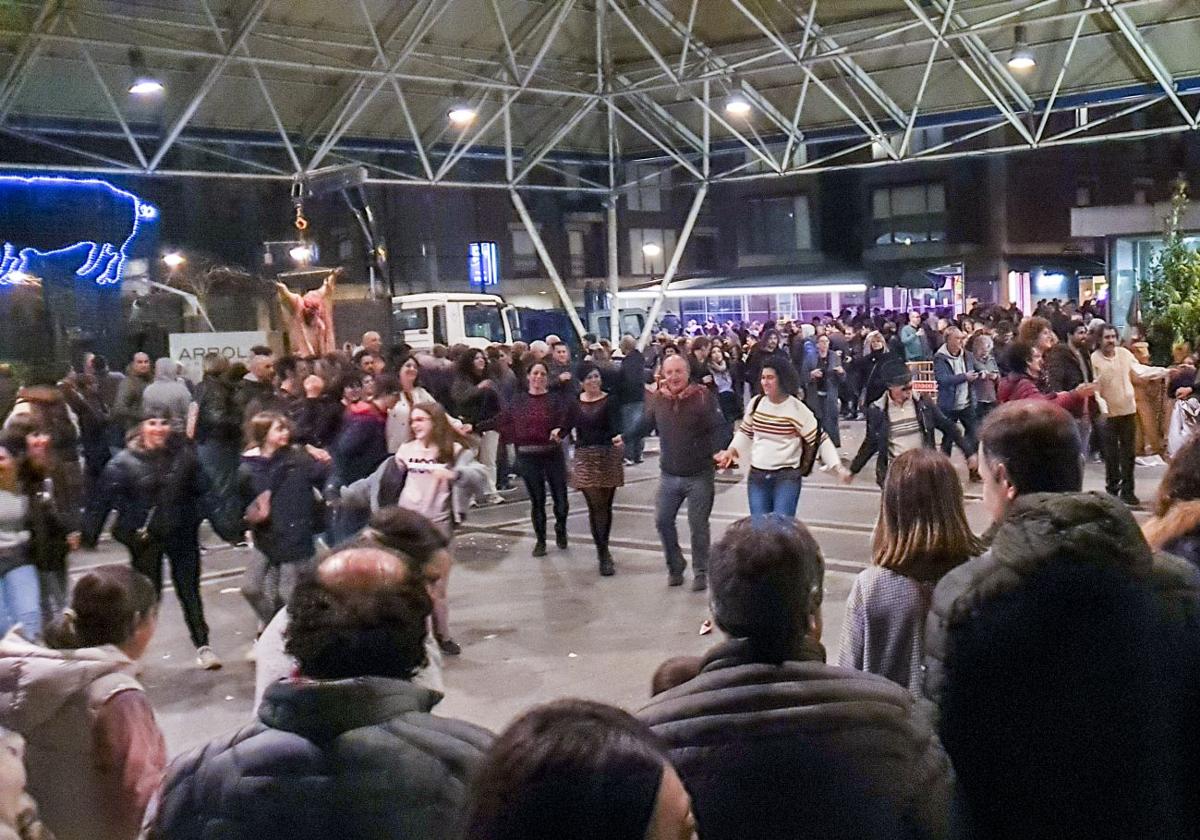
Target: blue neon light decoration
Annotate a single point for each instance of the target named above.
(104, 222)
(483, 264)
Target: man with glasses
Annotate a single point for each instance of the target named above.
(899, 421)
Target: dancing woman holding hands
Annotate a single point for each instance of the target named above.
(781, 439)
(599, 451)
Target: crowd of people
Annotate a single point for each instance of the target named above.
(1040, 679)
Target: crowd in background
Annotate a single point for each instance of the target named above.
(987, 684)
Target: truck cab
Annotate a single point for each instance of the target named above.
(476, 320)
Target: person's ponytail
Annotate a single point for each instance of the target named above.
(107, 605)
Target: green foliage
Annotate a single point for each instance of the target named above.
(1170, 295)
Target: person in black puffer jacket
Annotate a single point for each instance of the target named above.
(158, 489)
(348, 748)
(1067, 650)
(286, 539)
(770, 741)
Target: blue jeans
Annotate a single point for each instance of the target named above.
(20, 600)
(631, 413)
(774, 491)
(673, 491)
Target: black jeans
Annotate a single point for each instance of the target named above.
(184, 558)
(965, 416)
(538, 470)
(1119, 434)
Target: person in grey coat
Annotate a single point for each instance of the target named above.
(349, 747)
(167, 396)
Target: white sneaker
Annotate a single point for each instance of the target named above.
(206, 659)
(495, 500)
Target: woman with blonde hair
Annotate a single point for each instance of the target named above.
(921, 535)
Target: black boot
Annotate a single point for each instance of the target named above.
(606, 564)
(560, 534)
(539, 547)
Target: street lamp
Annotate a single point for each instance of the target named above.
(173, 260)
(301, 253)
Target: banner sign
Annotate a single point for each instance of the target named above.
(189, 349)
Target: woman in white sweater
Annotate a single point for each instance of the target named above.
(399, 430)
(781, 439)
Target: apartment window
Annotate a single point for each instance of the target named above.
(524, 255)
(642, 263)
(776, 225)
(909, 214)
(575, 245)
(649, 194)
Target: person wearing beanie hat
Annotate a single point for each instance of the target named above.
(157, 488)
(901, 420)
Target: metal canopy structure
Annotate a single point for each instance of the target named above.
(567, 91)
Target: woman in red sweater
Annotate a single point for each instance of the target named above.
(1023, 381)
(536, 422)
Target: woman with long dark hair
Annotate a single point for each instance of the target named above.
(781, 439)
(598, 469)
(477, 405)
(922, 534)
(278, 483)
(578, 769)
(94, 752)
(536, 423)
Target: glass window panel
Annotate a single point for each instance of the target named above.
(908, 201)
(937, 198)
(881, 204)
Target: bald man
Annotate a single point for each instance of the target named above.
(690, 430)
(350, 740)
(413, 545)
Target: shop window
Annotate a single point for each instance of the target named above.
(909, 214)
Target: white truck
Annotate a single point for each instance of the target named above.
(476, 320)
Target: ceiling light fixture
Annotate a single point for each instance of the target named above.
(144, 83)
(737, 106)
(1021, 57)
(461, 115)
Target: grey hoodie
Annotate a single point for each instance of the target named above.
(167, 396)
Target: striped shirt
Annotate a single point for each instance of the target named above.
(905, 430)
(773, 435)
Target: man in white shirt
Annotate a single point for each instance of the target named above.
(1115, 369)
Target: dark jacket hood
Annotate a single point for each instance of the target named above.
(1044, 527)
(321, 710)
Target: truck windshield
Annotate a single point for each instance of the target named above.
(484, 320)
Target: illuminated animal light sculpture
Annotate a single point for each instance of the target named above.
(88, 223)
(309, 317)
